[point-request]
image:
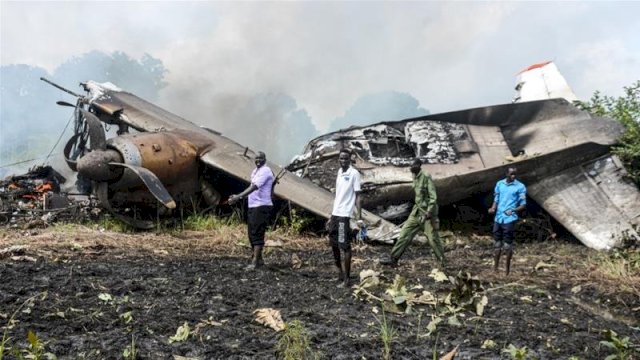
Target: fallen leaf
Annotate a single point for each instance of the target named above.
(425, 298)
(451, 354)
(181, 334)
(296, 263)
(526, 299)
(105, 297)
(576, 289)
(438, 275)
(541, 265)
(480, 305)
(269, 317)
(453, 321)
(433, 324)
(488, 344)
(369, 278)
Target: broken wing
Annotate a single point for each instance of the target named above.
(594, 201)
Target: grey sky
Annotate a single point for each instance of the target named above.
(326, 55)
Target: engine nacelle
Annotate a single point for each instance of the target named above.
(170, 156)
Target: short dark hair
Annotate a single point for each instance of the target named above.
(346, 151)
(416, 162)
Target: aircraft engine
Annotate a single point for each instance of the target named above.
(132, 162)
(170, 157)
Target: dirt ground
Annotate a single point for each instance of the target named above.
(92, 294)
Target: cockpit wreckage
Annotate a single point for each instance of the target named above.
(159, 161)
(562, 155)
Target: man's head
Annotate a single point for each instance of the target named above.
(416, 165)
(345, 159)
(260, 159)
(511, 174)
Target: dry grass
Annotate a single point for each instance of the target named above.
(73, 240)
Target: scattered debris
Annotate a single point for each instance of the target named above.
(269, 317)
(13, 250)
(35, 199)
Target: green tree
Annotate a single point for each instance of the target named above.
(625, 109)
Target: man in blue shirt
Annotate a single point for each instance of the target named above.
(510, 197)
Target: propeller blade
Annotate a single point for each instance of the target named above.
(73, 164)
(64, 103)
(96, 131)
(152, 182)
(102, 191)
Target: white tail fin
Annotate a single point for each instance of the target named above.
(542, 81)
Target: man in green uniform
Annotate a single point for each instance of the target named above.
(423, 217)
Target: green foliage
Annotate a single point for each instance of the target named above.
(115, 225)
(516, 353)
(625, 109)
(201, 222)
(36, 347)
(387, 334)
(295, 223)
(621, 346)
(294, 343)
(130, 352)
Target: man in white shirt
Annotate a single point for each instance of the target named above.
(340, 234)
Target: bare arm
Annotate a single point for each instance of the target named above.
(358, 206)
(235, 197)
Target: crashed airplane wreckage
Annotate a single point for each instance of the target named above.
(159, 160)
(562, 154)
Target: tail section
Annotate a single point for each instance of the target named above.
(542, 81)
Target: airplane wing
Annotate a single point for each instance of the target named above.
(594, 201)
(224, 154)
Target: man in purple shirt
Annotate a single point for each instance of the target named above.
(260, 206)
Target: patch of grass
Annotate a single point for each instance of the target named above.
(115, 225)
(130, 352)
(36, 347)
(208, 222)
(201, 222)
(65, 228)
(621, 265)
(294, 343)
(387, 334)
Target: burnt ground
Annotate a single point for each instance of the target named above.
(87, 294)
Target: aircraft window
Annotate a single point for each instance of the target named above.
(395, 148)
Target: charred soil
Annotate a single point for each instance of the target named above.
(95, 294)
